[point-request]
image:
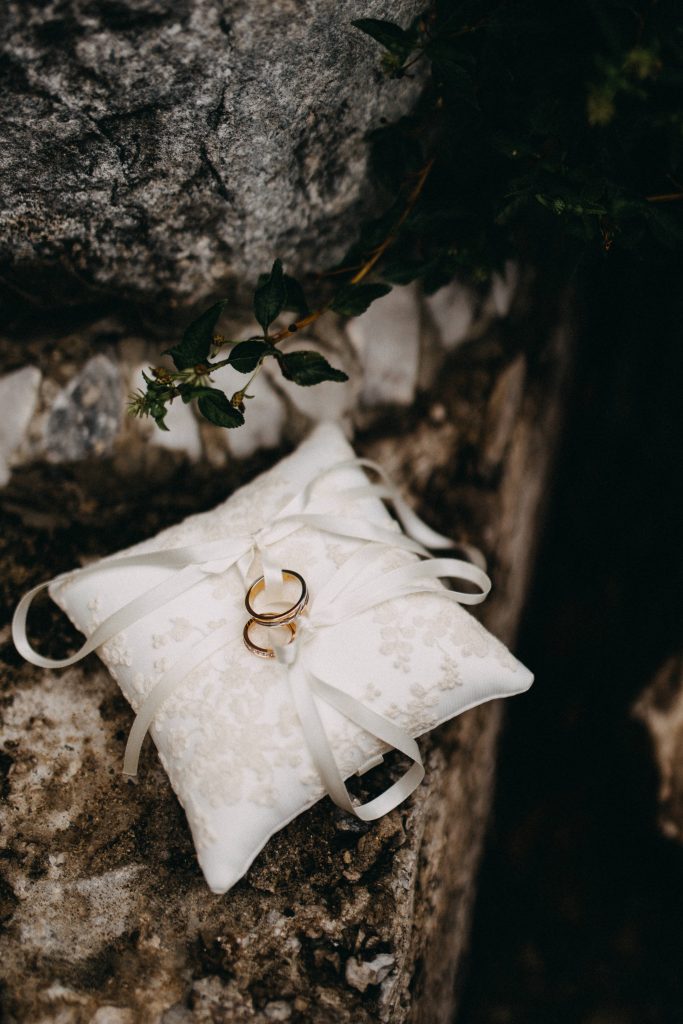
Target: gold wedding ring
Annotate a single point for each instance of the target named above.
(266, 652)
(277, 618)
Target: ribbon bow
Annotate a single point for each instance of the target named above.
(346, 595)
(341, 598)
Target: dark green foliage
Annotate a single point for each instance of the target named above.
(296, 300)
(307, 368)
(548, 131)
(192, 378)
(159, 393)
(217, 408)
(270, 296)
(196, 342)
(355, 299)
(404, 270)
(246, 355)
(399, 42)
(556, 128)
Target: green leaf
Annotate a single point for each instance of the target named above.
(296, 300)
(354, 299)
(307, 368)
(441, 274)
(216, 408)
(665, 225)
(246, 355)
(448, 54)
(270, 296)
(158, 413)
(159, 395)
(188, 393)
(393, 38)
(196, 341)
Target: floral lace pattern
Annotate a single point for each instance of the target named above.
(229, 736)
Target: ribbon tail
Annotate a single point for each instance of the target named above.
(305, 688)
(272, 575)
(414, 527)
(192, 565)
(131, 613)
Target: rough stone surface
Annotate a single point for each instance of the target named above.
(361, 974)
(392, 355)
(85, 417)
(157, 148)
(503, 288)
(105, 911)
(660, 708)
(156, 151)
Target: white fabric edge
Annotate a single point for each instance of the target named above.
(217, 890)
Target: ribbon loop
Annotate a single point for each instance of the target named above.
(348, 593)
(131, 613)
(305, 687)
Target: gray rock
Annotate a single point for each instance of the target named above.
(453, 309)
(362, 973)
(104, 908)
(387, 338)
(156, 148)
(278, 1010)
(460, 314)
(503, 290)
(660, 708)
(112, 1015)
(86, 415)
(18, 400)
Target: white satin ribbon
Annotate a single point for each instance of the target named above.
(340, 600)
(305, 687)
(194, 561)
(345, 595)
(337, 601)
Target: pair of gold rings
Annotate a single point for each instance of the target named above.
(271, 620)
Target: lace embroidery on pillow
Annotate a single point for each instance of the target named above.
(230, 734)
(476, 642)
(245, 512)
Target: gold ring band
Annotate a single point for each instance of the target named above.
(265, 652)
(277, 618)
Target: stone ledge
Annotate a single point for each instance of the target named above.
(106, 914)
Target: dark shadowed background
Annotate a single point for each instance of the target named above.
(580, 909)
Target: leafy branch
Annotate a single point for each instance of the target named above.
(195, 355)
(557, 130)
(195, 359)
(542, 133)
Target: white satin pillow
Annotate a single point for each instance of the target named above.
(229, 736)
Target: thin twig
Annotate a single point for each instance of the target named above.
(381, 249)
(669, 197)
(370, 263)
